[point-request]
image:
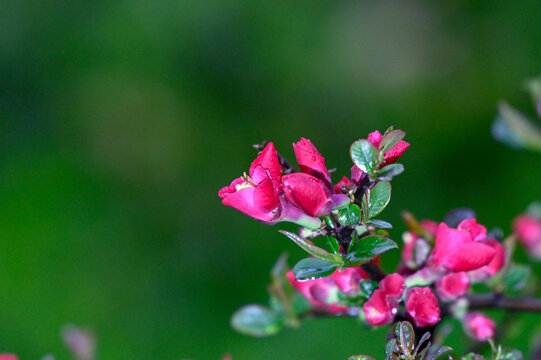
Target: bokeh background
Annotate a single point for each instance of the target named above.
(119, 122)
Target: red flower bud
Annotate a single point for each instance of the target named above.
(338, 187)
(392, 155)
(310, 160)
(379, 309)
(477, 231)
(307, 193)
(356, 174)
(479, 326)
(257, 194)
(453, 285)
(528, 230)
(456, 250)
(393, 286)
(422, 305)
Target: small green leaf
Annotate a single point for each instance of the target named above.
(350, 215)
(380, 224)
(403, 332)
(313, 268)
(511, 355)
(390, 171)
(437, 353)
(256, 320)
(390, 140)
(368, 248)
(364, 155)
(517, 276)
(360, 357)
(472, 356)
(280, 267)
(300, 304)
(534, 209)
(379, 197)
(333, 244)
(314, 250)
(368, 287)
(391, 349)
(514, 129)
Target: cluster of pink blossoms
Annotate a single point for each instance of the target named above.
(301, 197)
(438, 264)
(458, 258)
(268, 196)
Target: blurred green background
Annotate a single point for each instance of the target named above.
(119, 122)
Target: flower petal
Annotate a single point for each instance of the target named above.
(310, 160)
(268, 160)
(468, 257)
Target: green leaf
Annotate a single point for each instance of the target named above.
(380, 224)
(378, 198)
(472, 356)
(517, 277)
(404, 334)
(256, 320)
(511, 355)
(280, 267)
(515, 129)
(350, 215)
(360, 357)
(391, 349)
(364, 155)
(390, 140)
(300, 304)
(534, 209)
(436, 354)
(333, 244)
(368, 287)
(313, 268)
(314, 250)
(368, 248)
(390, 171)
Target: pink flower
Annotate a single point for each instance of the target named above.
(494, 266)
(479, 326)
(422, 305)
(324, 291)
(392, 155)
(528, 230)
(393, 286)
(258, 193)
(453, 285)
(382, 306)
(8, 357)
(456, 249)
(310, 160)
(308, 193)
(379, 309)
